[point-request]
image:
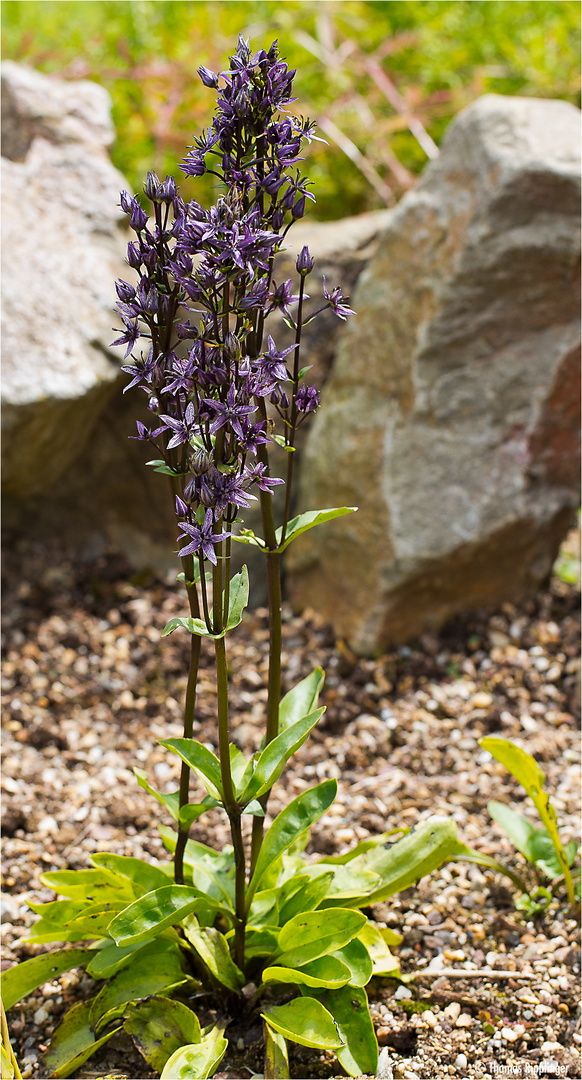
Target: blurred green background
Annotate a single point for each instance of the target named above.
(385, 77)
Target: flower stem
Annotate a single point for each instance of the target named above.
(189, 708)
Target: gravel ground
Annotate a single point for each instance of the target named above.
(89, 686)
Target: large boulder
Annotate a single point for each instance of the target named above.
(451, 417)
(63, 244)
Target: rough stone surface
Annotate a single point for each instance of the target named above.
(451, 417)
(63, 242)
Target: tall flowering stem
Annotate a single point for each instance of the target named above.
(194, 327)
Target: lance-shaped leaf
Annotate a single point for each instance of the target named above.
(152, 972)
(517, 827)
(309, 520)
(159, 1026)
(112, 958)
(73, 1042)
(148, 916)
(185, 815)
(358, 960)
(197, 1061)
(145, 876)
(315, 933)
(306, 897)
(23, 978)
(71, 920)
(349, 1008)
(299, 815)
(376, 940)
(428, 846)
(276, 1056)
(213, 950)
(305, 1021)
(301, 699)
(204, 763)
(324, 972)
(90, 885)
(212, 872)
(528, 773)
(238, 598)
(194, 626)
(273, 758)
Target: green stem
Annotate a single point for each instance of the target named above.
(189, 710)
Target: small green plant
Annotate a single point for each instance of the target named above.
(542, 847)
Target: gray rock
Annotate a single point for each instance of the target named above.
(451, 416)
(63, 244)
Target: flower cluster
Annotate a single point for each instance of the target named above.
(205, 286)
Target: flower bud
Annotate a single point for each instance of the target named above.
(208, 77)
(151, 186)
(232, 347)
(304, 262)
(299, 208)
(153, 403)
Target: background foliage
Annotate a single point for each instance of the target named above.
(372, 70)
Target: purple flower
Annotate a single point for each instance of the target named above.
(183, 428)
(202, 538)
(208, 77)
(304, 262)
(138, 218)
(132, 333)
(307, 399)
(280, 298)
(337, 302)
(228, 412)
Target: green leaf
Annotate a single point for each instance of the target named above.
(305, 1021)
(89, 885)
(309, 520)
(247, 536)
(299, 815)
(159, 466)
(160, 965)
(401, 864)
(148, 916)
(543, 855)
(23, 978)
(315, 933)
(261, 942)
(212, 872)
(196, 577)
(110, 959)
(71, 920)
(238, 599)
(358, 960)
(301, 699)
(528, 773)
(361, 848)
(212, 948)
(145, 876)
(324, 972)
(462, 853)
(204, 763)
(349, 1008)
(193, 626)
(8, 1067)
(159, 1027)
(198, 1060)
(73, 1042)
(517, 827)
(273, 758)
(376, 941)
(305, 897)
(349, 882)
(276, 1056)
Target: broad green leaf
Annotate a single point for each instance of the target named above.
(212, 948)
(301, 700)
(350, 881)
(159, 466)
(261, 942)
(153, 971)
(301, 812)
(428, 846)
(238, 598)
(305, 897)
(190, 813)
(197, 1061)
(359, 961)
(305, 1021)
(204, 763)
(376, 940)
(73, 1042)
(528, 773)
(276, 1056)
(273, 758)
(247, 536)
(543, 855)
(265, 907)
(238, 766)
(148, 916)
(71, 920)
(315, 933)
(144, 875)
(349, 1008)
(517, 827)
(89, 885)
(254, 808)
(325, 971)
(212, 871)
(112, 958)
(159, 1027)
(309, 520)
(23, 978)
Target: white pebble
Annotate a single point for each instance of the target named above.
(402, 994)
(48, 825)
(384, 1070)
(40, 1015)
(461, 1061)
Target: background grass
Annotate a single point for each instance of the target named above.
(438, 54)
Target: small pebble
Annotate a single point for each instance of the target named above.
(464, 1021)
(40, 1015)
(402, 994)
(384, 1069)
(461, 1061)
(453, 1011)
